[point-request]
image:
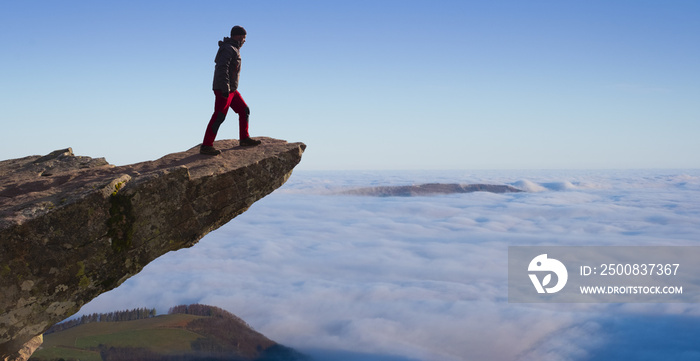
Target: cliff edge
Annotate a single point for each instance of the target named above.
(72, 227)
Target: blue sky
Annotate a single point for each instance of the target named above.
(365, 84)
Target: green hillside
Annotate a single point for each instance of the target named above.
(216, 335)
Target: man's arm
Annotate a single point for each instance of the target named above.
(222, 78)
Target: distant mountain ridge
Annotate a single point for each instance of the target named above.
(430, 189)
(187, 333)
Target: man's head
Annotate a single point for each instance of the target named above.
(238, 33)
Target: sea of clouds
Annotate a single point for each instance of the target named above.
(425, 278)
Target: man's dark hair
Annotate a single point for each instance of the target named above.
(237, 30)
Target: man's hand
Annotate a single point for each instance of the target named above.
(224, 94)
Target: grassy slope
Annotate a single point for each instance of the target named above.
(162, 334)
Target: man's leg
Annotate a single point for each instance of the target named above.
(241, 108)
(221, 105)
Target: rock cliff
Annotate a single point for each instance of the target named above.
(74, 227)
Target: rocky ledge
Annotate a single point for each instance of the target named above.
(72, 227)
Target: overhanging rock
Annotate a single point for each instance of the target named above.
(72, 228)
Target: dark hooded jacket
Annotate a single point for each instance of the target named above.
(228, 65)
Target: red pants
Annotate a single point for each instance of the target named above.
(221, 105)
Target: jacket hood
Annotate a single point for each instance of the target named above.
(230, 41)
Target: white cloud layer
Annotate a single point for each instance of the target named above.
(426, 277)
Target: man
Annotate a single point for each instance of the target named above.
(226, 71)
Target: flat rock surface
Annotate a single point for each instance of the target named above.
(32, 185)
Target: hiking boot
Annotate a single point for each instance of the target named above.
(209, 150)
(249, 142)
